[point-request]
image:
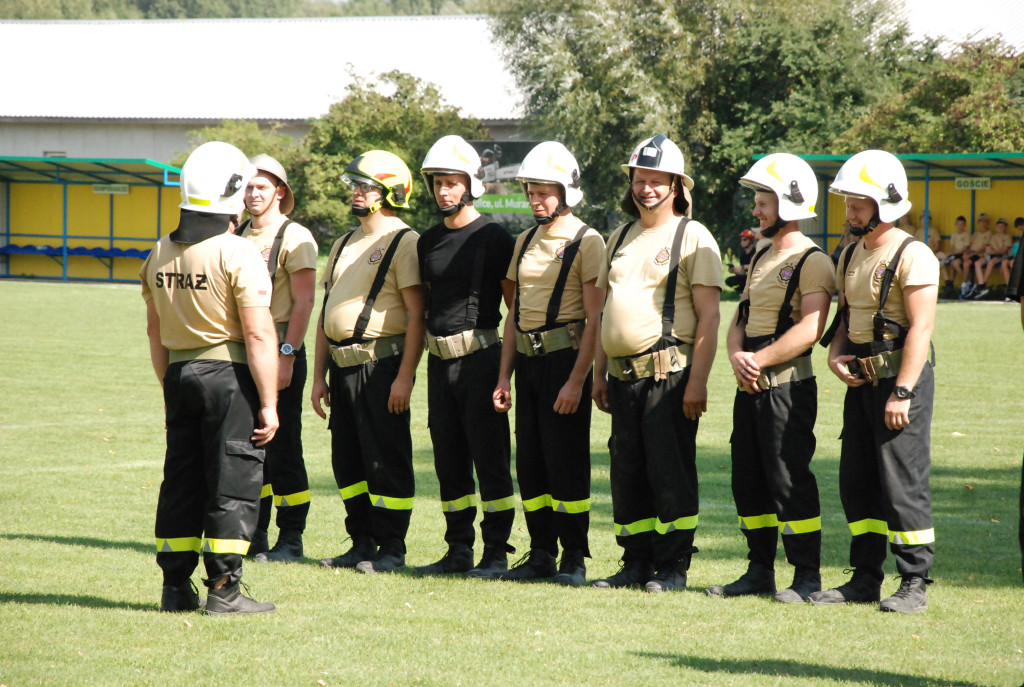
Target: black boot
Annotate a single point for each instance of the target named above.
(759, 579)
(183, 597)
(389, 557)
(259, 544)
(668, 578)
(288, 548)
(863, 587)
(911, 597)
(805, 583)
(458, 559)
(572, 571)
(633, 573)
(537, 565)
(493, 563)
(229, 600)
(363, 549)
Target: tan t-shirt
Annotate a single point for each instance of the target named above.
(979, 240)
(767, 284)
(353, 276)
(198, 288)
(298, 252)
(999, 243)
(862, 283)
(638, 276)
(959, 241)
(538, 272)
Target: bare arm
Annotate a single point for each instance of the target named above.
(303, 289)
(157, 351)
(569, 395)
(802, 335)
(261, 350)
(502, 396)
(920, 303)
(599, 392)
(415, 330)
(743, 365)
(321, 355)
(837, 360)
(705, 344)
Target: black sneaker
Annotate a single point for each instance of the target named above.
(862, 588)
(631, 574)
(979, 294)
(229, 600)
(536, 565)
(493, 563)
(756, 581)
(362, 550)
(805, 583)
(182, 598)
(458, 559)
(287, 549)
(667, 579)
(572, 571)
(911, 597)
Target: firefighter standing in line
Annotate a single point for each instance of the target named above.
(290, 252)
(463, 259)
(549, 340)
(782, 314)
(214, 350)
(888, 288)
(659, 334)
(370, 336)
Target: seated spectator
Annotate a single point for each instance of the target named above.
(952, 265)
(975, 252)
(934, 234)
(997, 254)
(738, 277)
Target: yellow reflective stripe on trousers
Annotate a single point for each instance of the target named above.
(296, 499)
(461, 503)
(570, 506)
(507, 503)
(685, 523)
(353, 490)
(869, 526)
(913, 538)
(757, 522)
(638, 527)
(537, 502)
(268, 490)
(800, 526)
(390, 502)
(178, 544)
(239, 546)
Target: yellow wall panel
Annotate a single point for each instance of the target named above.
(36, 209)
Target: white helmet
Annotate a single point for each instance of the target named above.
(452, 155)
(551, 162)
(214, 177)
(877, 175)
(789, 178)
(660, 154)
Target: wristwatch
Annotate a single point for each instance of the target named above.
(287, 349)
(902, 392)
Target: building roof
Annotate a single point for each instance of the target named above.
(934, 166)
(59, 170)
(270, 69)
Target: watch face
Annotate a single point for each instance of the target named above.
(287, 349)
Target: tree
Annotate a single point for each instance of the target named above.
(394, 112)
(971, 102)
(723, 78)
(250, 138)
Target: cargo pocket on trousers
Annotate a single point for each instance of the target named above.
(241, 474)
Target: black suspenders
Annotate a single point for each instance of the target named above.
(568, 255)
(275, 248)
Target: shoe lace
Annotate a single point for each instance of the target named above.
(524, 560)
(906, 586)
(245, 589)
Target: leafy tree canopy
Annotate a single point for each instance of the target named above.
(226, 9)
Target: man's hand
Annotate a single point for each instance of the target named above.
(320, 393)
(897, 412)
(502, 396)
(268, 424)
(568, 398)
(401, 392)
(838, 365)
(599, 393)
(695, 401)
(285, 367)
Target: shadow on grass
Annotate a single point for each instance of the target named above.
(85, 541)
(782, 668)
(73, 600)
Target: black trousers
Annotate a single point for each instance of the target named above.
(212, 471)
(653, 451)
(552, 454)
(371, 452)
(772, 483)
(285, 482)
(884, 478)
(467, 433)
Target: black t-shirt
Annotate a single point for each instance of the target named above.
(447, 258)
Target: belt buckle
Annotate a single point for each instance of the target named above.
(626, 365)
(537, 342)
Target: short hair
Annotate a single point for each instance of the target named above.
(679, 202)
(961, 218)
(1017, 222)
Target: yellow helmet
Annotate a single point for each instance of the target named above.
(385, 170)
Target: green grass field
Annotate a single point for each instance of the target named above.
(81, 449)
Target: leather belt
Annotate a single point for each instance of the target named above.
(461, 344)
(232, 351)
(368, 352)
(657, 364)
(533, 344)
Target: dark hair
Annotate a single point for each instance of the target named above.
(961, 218)
(679, 202)
(1017, 222)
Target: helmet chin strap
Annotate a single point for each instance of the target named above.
(657, 205)
(449, 210)
(862, 231)
(359, 211)
(774, 228)
(548, 219)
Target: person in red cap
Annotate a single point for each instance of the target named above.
(738, 278)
